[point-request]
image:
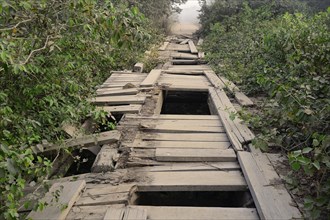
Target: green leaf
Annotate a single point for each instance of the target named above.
(295, 166)
(316, 164)
(307, 150)
(316, 143)
(11, 166)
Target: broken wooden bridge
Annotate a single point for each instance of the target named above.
(179, 152)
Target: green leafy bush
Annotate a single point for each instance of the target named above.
(286, 59)
(52, 54)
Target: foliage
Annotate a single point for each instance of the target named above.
(286, 59)
(52, 54)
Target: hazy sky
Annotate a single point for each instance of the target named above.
(189, 12)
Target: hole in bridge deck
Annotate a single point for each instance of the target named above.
(194, 199)
(185, 103)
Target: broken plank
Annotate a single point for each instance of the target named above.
(164, 46)
(230, 85)
(104, 161)
(112, 92)
(195, 155)
(177, 128)
(174, 117)
(115, 100)
(122, 109)
(88, 140)
(214, 79)
(138, 67)
(266, 198)
(195, 166)
(242, 99)
(192, 47)
(151, 78)
(68, 194)
(185, 41)
(180, 144)
(199, 213)
(192, 181)
(221, 137)
(183, 55)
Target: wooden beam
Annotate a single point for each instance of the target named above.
(243, 100)
(138, 67)
(68, 194)
(174, 117)
(214, 79)
(266, 199)
(105, 159)
(122, 109)
(115, 100)
(192, 181)
(195, 155)
(207, 137)
(200, 213)
(177, 128)
(151, 78)
(192, 47)
(112, 92)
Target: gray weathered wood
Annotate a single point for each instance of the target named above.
(198, 155)
(214, 79)
(69, 193)
(114, 214)
(174, 117)
(185, 41)
(151, 78)
(266, 198)
(180, 144)
(122, 109)
(242, 99)
(200, 42)
(192, 47)
(177, 128)
(192, 181)
(184, 72)
(183, 62)
(207, 137)
(88, 140)
(199, 213)
(184, 55)
(104, 161)
(164, 46)
(112, 92)
(135, 213)
(114, 100)
(138, 67)
(201, 55)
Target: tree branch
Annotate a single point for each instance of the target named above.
(16, 25)
(34, 51)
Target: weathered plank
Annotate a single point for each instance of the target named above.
(92, 212)
(199, 213)
(151, 78)
(164, 46)
(173, 122)
(174, 117)
(179, 128)
(180, 144)
(104, 199)
(201, 55)
(115, 100)
(138, 67)
(112, 92)
(184, 55)
(200, 42)
(192, 47)
(207, 137)
(230, 85)
(135, 213)
(225, 119)
(190, 67)
(242, 99)
(195, 166)
(122, 109)
(184, 72)
(214, 79)
(185, 41)
(198, 155)
(192, 181)
(185, 87)
(88, 140)
(266, 198)
(68, 191)
(104, 161)
(114, 214)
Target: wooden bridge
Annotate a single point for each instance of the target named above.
(179, 152)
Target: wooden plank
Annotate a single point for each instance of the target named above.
(192, 181)
(183, 55)
(68, 191)
(190, 67)
(104, 161)
(172, 122)
(180, 144)
(86, 141)
(220, 137)
(112, 92)
(173, 117)
(178, 128)
(151, 78)
(138, 67)
(201, 55)
(92, 212)
(199, 213)
(121, 109)
(186, 87)
(214, 79)
(195, 166)
(135, 213)
(104, 199)
(184, 62)
(192, 47)
(195, 155)
(225, 119)
(200, 42)
(164, 46)
(185, 41)
(266, 198)
(243, 100)
(115, 100)
(184, 72)
(114, 214)
(229, 84)
(159, 103)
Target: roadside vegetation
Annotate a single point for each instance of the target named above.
(280, 51)
(52, 55)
